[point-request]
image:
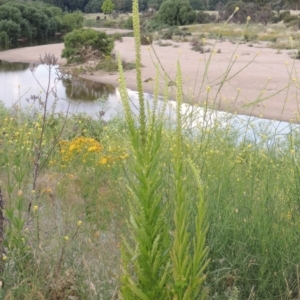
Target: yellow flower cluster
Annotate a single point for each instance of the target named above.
(83, 147)
(87, 149)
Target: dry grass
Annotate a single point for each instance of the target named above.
(276, 36)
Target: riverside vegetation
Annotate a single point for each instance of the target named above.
(136, 208)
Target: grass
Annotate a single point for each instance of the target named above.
(251, 193)
(273, 35)
(250, 190)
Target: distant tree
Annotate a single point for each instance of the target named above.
(197, 4)
(74, 5)
(35, 22)
(82, 42)
(176, 12)
(107, 6)
(12, 30)
(93, 6)
(155, 3)
(72, 21)
(38, 21)
(8, 12)
(294, 4)
(258, 13)
(126, 6)
(143, 5)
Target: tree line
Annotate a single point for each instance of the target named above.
(94, 6)
(32, 23)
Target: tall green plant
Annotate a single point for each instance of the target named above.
(163, 254)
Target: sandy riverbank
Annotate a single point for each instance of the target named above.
(267, 76)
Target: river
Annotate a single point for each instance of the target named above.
(20, 83)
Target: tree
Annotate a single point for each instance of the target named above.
(155, 3)
(72, 21)
(79, 44)
(12, 30)
(107, 6)
(34, 22)
(93, 6)
(197, 4)
(176, 12)
(8, 12)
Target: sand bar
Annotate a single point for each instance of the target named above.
(256, 75)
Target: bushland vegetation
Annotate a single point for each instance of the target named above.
(82, 44)
(28, 22)
(93, 6)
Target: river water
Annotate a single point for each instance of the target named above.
(20, 83)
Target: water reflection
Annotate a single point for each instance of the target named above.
(18, 84)
(85, 90)
(6, 66)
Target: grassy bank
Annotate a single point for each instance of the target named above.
(69, 242)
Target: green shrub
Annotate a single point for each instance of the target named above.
(110, 64)
(289, 18)
(73, 21)
(295, 24)
(283, 14)
(117, 37)
(128, 23)
(81, 43)
(167, 34)
(197, 45)
(155, 24)
(204, 18)
(109, 23)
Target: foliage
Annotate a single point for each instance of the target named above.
(256, 12)
(73, 21)
(164, 253)
(155, 24)
(198, 4)
(11, 29)
(108, 6)
(80, 42)
(4, 41)
(35, 23)
(128, 24)
(198, 45)
(93, 6)
(110, 64)
(178, 12)
(203, 17)
(126, 5)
